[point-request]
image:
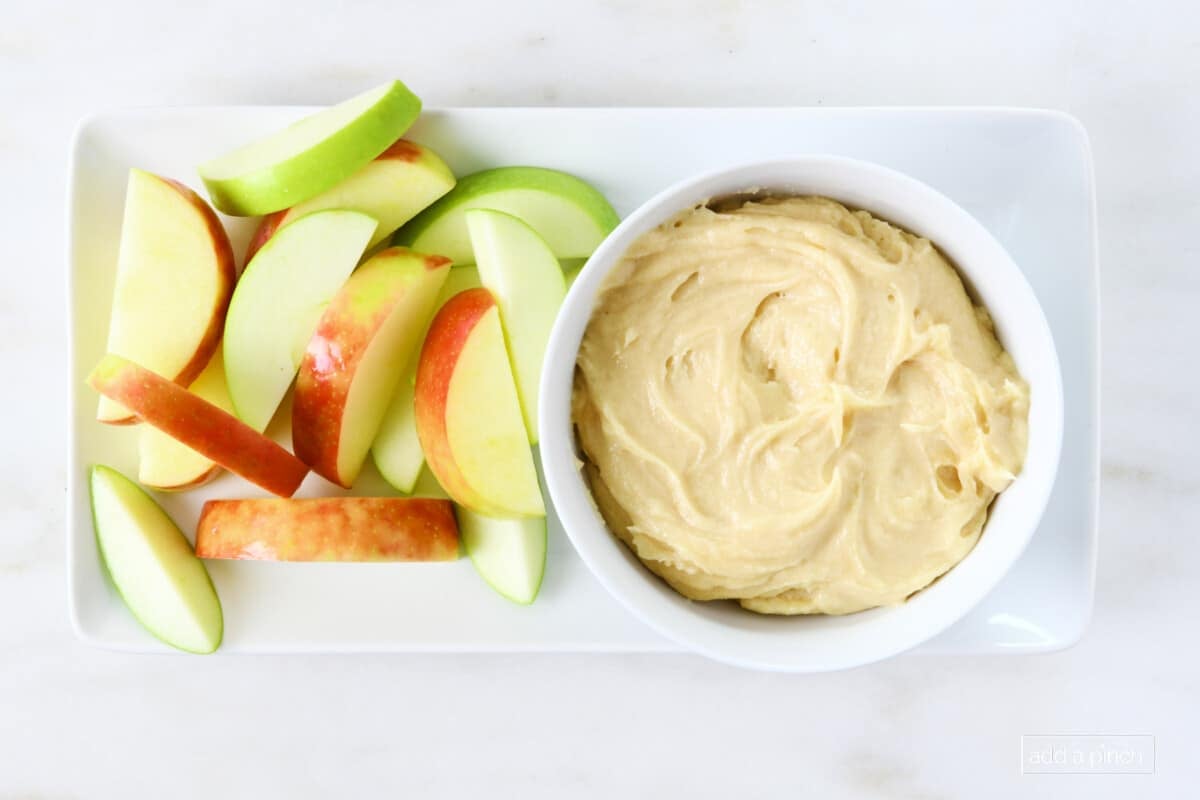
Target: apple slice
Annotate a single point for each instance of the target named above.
(169, 465)
(349, 372)
(175, 273)
(570, 215)
(397, 449)
(518, 268)
(328, 529)
(393, 188)
(165, 586)
(279, 301)
(310, 156)
(468, 414)
(510, 554)
(199, 424)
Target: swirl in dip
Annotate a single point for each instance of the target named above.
(795, 406)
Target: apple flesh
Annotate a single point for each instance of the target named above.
(519, 269)
(349, 372)
(279, 301)
(397, 448)
(328, 529)
(311, 156)
(163, 584)
(199, 424)
(402, 181)
(175, 274)
(510, 554)
(168, 465)
(468, 414)
(568, 213)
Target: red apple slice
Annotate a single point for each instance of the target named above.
(468, 415)
(199, 424)
(404, 180)
(329, 529)
(357, 355)
(175, 275)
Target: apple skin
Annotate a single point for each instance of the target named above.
(199, 424)
(394, 282)
(328, 529)
(226, 278)
(356, 192)
(466, 315)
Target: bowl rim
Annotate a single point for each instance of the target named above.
(686, 622)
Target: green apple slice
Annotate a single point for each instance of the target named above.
(569, 214)
(152, 565)
(397, 450)
(510, 554)
(520, 270)
(278, 302)
(312, 155)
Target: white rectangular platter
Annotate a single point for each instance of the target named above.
(1026, 175)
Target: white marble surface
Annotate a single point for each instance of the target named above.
(75, 722)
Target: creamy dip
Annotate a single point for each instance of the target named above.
(795, 406)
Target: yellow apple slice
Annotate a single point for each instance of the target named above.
(312, 155)
(168, 464)
(175, 273)
(397, 449)
(519, 269)
(402, 181)
(328, 529)
(152, 565)
(468, 415)
(279, 301)
(350, 368)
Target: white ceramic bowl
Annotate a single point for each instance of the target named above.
(723, 630)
